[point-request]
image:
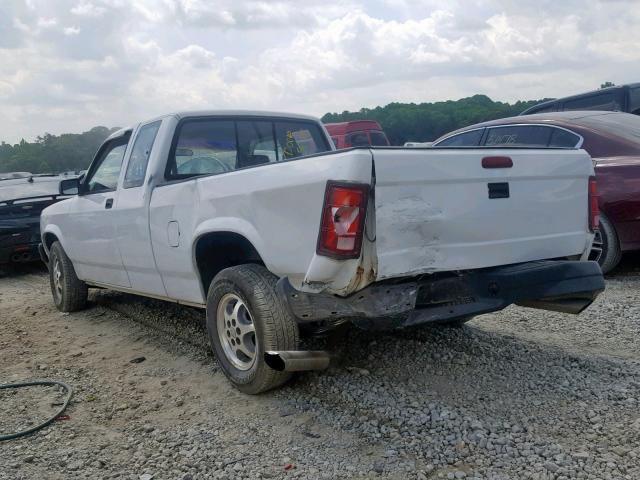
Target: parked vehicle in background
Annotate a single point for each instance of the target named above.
(613, 141)
(418, 144)
(22, 199)
(619, 98)
(14, 175)
(357, 133)
(257, 218)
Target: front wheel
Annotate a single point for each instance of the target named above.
(69, 292)
(245, 319)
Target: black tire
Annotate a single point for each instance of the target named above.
(274, 327)
(69, 292)
(607, 241)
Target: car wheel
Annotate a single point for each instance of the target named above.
(246, 318)
(606, 247)
(69, 292)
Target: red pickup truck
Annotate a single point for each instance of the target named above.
(357, 133)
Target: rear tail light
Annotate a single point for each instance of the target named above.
(594, 210)
(343, 217)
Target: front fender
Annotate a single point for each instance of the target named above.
(54, 230)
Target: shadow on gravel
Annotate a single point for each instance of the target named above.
(630, 265)
(22, 269)
(178, 322)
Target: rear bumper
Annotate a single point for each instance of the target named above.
(18, 253)
(567, 286)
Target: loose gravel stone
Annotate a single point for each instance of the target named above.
(521, 394)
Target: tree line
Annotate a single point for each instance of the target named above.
(424, 122)
(402, 122)
(53, 153)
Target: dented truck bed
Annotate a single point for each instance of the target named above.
(440, 210)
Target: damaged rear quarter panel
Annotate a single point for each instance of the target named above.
(343, 277)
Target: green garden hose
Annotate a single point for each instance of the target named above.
(48, 383)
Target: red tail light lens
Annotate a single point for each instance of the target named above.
(594, 210)
(343, 216)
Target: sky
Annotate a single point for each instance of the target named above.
(69, 65)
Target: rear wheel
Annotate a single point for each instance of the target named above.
(606, 247)
(246, 318)
(69, 292)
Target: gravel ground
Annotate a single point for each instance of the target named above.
(522, 394)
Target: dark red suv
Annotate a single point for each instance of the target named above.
(357, 133)
(613, 141)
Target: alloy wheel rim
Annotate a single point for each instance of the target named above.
(236, 331)
(57, 278)
(596, 247)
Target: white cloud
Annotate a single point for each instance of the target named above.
(86, 9)
(46, 22)
(81, 63)
(71, 31)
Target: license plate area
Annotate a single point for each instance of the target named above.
(498, 190)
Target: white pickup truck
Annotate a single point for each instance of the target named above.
(255, 217)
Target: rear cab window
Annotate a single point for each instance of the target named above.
(211, 146)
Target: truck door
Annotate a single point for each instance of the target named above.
(89, 226)
(131, 215)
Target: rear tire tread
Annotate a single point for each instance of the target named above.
(279, 328)
(611, 253)
(74, 290)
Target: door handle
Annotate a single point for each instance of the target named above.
(108, 203)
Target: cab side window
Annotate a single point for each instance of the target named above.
(137, 167)
(104, 177)
(204, 147)
(257, 143)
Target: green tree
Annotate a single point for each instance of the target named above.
(53, 154)
(425, 122)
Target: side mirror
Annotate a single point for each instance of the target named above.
(70, 186)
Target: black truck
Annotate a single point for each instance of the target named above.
(22, 199)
